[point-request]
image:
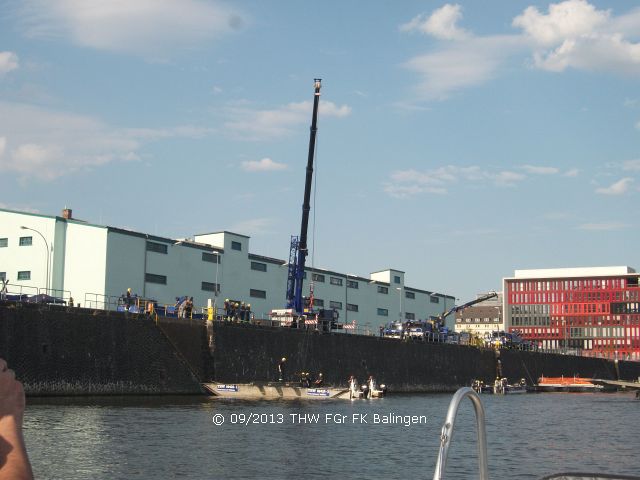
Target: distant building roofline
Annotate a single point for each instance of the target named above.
(573, 272)
(222, 231)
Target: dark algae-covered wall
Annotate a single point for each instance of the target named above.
(55, 351)
(71, 351)
(244, 353)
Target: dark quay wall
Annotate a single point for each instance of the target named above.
(68, 351)
(71, 351)
(243, 353)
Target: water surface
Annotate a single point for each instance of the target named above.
(529, 436)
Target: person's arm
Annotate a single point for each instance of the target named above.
(14, 462)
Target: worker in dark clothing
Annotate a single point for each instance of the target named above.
(282, 369)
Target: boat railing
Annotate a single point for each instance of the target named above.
(447, 433)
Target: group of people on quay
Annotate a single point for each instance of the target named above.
(184, 306)
(236, 311)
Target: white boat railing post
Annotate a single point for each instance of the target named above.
(447, 432)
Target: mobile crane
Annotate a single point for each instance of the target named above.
(298, 251)
(296, 308)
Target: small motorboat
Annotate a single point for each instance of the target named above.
(273, 391)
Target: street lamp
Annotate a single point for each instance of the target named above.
(47, 247)
(216, 287)
(400, 295)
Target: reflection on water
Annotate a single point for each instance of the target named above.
(529, 436)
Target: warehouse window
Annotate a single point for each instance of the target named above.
(210, 287)
(3, 276)
(4, 242)
(351, 307)
(435, 299)
(396, 279)
(336, 305)
(409, 316)
(211, 257)
(383, 312)
(318, 302)
(153, 278)
(257, 293)
(236, 246)
(25, 275)
(409, 294)
(26, 241)
(261, 267)
(382, 289)
(352, 284)
(156, 247)
(316, 277)
(335, 281)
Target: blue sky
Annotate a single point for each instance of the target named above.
(457, 142)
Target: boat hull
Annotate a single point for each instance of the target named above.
(566, 384)
(274, 391)
(578, 388)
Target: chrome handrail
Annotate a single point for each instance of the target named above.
(447, 432)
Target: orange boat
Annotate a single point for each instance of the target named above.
(566, 384)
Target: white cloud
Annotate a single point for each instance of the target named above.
(264, 165)
(150, 28)
(3, 145)
(254, 226)
(463, 64)
(618, 188)
(46, 144)
(507, 178)
(440, 24)
(573, 172)
(8, 62)
(539, 170)
(571, 34)
(575, 34)
(632, 165)
(603, 226)
(569, 19)
(404, 183)
(249, 124)
(403, 191)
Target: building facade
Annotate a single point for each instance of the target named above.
(481, 318)
(67, 257)
(590, 310)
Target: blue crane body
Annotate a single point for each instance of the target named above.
(299, 250)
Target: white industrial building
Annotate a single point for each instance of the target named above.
(93, 263)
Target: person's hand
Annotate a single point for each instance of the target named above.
(11, 395)
(14, 462)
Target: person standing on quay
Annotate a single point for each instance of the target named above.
(281, 369)
(14, 462)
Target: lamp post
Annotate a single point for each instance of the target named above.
(216, 287)
(47, 247)
(400, 296)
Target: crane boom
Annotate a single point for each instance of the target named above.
(457, 308)
(299, 250)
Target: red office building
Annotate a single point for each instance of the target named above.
(588, 311)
